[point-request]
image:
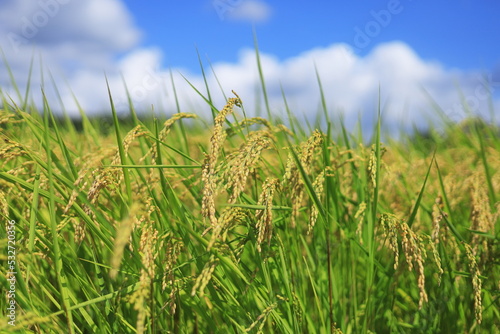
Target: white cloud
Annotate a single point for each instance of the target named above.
(70, 27)
(76, 40)
(351, 84)
(253, 11)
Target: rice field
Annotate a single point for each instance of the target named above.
(247, 225)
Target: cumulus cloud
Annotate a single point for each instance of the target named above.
(67, 28)
(253, 11)
(350, 82)
(76, 40)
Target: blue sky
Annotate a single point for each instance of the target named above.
(404, 47)
(462, 34)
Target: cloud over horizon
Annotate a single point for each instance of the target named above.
(103, 38)
(253, 11)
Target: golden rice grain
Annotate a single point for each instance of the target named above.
(335, 329)
(292, 177)
(10, 151)
(107, 177)
(307, 151)
(229, 217)
(141, 297)
(372, 166)
(360, 216)
(318, 185)
(247, 122)
(136, 132)
(162, 135)
(4, 206)
(242, 163)
(210, 162)
(436, 257)
(476, 282)
(8, 117)
(173, 250)
(26, 319)
(262, 318)
(391, 233)
(103, 177)
(205, 276)
(437, 217)
(297, 308)
(123, 232)
(413, 250)
(89, 163)
(415, 254)
(147, 244)
(265, 217)
(481, 216)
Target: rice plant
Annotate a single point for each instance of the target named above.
(247, 226)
